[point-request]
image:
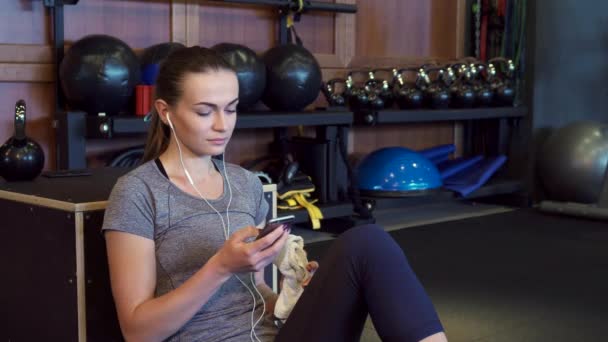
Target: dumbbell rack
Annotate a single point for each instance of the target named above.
(75, 128)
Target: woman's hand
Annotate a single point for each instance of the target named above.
(311, 267)
(237, 255)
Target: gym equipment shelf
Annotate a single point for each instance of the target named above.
(290, 5)
(329, 210)
(429, 115)
(75, 128)
(286, 119)
(100, 127)
(497, 186)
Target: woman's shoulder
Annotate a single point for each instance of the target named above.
(143, 176)
(241, 174)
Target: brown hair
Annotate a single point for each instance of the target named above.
(173, 70)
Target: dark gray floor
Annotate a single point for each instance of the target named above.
(515, 276)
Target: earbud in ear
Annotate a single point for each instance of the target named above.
(169, 120)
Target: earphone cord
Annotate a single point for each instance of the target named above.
(226, 229)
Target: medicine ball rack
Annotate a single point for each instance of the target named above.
(74, 128)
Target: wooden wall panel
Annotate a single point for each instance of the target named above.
(317, 32)
(393, 28)
(40, 102)
(414, 136)
(443, 37)
(407, 28)
(248, 144)
(252, 26)
(24, 22)
(138, 23)
(257, 28)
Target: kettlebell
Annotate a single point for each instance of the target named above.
(405, 92)
(504, 91)
(357, 99)
(373, 90)
(384, 88)
(436, 96)
(334, 99)
(484, 95)
(21, 158)
(461, 92)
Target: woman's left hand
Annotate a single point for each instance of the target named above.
(311, 267)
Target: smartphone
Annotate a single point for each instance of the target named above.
(275, 223)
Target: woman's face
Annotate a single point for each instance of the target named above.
(206, 112)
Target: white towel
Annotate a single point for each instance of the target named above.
(291, 262)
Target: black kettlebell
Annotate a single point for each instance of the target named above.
(384, 88)
(373, 90)
(21, 158)
(504, 90)
(334, 99)
(461, 91)
(358, 98)
(406, 94)
(436, 95)
(484, 94)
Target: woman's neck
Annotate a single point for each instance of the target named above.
(199, 167)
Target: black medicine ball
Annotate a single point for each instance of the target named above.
(293, 78)
(250, 71)
(98, 74)
(158, 53)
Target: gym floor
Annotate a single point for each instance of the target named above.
(498, 274)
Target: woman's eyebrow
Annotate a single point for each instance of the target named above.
(213, 104)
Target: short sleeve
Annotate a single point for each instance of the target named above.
(262, 203)
(130, 208)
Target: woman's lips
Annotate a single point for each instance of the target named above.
(220, 141)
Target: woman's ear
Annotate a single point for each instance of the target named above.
(162, 108)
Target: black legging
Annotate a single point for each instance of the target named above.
(365, 271)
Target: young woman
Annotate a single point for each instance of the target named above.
(180, 232)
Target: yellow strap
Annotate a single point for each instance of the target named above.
(290, 21)
(294, 192)
(313, 211)
(285, 207)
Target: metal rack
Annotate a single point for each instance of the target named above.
(75, 128)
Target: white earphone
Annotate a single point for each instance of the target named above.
(225, 226)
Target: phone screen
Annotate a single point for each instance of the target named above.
(275, 223)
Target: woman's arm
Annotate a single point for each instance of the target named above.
(132, 264)
(142, 317)
(270, 297)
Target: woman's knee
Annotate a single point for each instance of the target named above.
(365, 239)
(364, 233)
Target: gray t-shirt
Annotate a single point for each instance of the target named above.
(186, 233)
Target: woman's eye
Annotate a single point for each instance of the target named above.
(230, 110)
(203, 113)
